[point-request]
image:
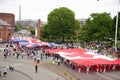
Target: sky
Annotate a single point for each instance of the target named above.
(39, 9)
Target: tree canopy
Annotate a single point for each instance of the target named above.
(61, 24)
(18, 27)
(98, 27)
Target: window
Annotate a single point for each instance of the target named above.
(0, 39)
(1, 27)
(0, 33)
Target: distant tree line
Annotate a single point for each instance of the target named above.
(62, 26)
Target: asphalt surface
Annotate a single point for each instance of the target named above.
(25, 70)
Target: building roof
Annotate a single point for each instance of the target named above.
(2, 23)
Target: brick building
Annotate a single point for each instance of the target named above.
(4, 31)
(6, 26)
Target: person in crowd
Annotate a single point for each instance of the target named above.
(109, 67)
(46, 55)
(59, 61)
(35, 58)
(28, 54)
(5, 55)
(11, 67)
(87, 69)
(113, 67)
(22, 54)
(41, 56)
(104, 70)
(38, 60)
(4, 70)
(56, 60)
(79, 68)
(101, 68)
(73, 67)
(97, 68)
(36, 68)
(17, 54)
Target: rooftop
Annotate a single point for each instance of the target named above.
(2, 22)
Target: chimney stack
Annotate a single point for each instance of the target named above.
(19, 12)
(38, 29)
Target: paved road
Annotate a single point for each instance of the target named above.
(24, 70)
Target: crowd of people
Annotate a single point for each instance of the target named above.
(102, 48)
(5, 70)
(39, 53)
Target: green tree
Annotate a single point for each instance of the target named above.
(45, 32)
(32, 31)
(18, 27)
(62, 23)
(98, 27)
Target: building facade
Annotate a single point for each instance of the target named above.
(7, 23)
(4, 31)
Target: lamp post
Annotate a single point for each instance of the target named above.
(116, 27)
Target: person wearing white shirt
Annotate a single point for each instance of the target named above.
(4, 70)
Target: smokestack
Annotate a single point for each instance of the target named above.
(19, 12)
(38, 29)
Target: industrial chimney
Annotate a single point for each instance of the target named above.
(38, 29)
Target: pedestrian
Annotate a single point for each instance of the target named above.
(79, 68)
(46, 55)
(36, 68)
(97, 68)
(59, 62)
(11, 67)
(113, 67)
(22, 54)
(4, 70)
(87, 69)
(35, 58)
(41, 56)
(17, 54)
(5, 55)
(38, 60)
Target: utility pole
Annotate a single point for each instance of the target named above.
(116, 26)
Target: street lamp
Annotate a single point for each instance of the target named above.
(116, 27)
